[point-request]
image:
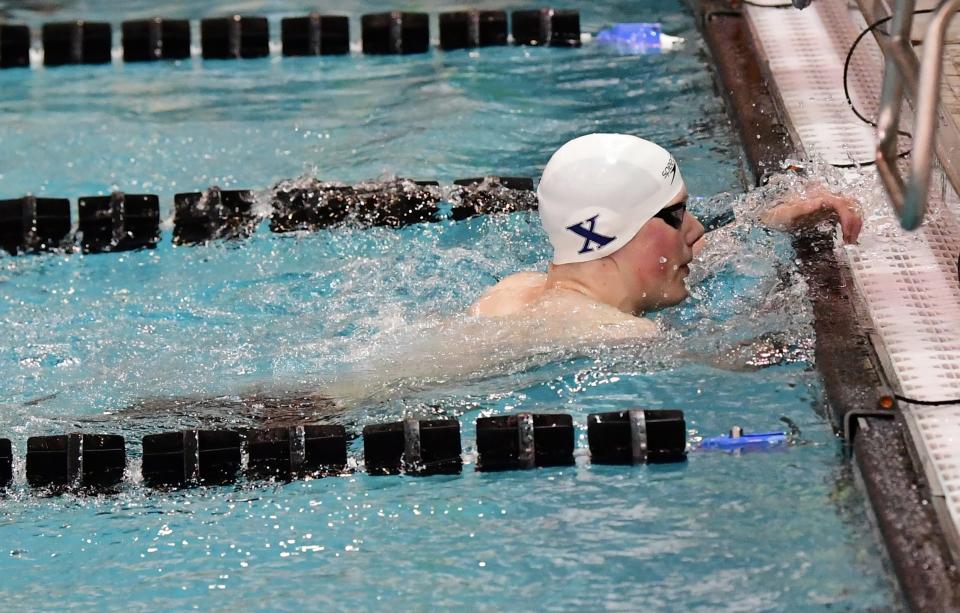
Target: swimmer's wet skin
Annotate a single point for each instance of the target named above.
(613, 207)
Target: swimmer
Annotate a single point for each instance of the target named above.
(614, 209)
(613, 206)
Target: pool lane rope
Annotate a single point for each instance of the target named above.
(246, 37)
(97, 463)
(122, 222)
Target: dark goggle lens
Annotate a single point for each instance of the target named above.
(673, 215)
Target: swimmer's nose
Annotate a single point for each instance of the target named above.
(697, 247)
(692, 229)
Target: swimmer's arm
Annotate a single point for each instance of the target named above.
(813, 205)
(802, 207)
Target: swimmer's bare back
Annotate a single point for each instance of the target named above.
(525, 295)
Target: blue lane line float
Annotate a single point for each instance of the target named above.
(738, 440)
(14, 46)
(524, 441)
(395, 33)
(415, 447)
(81, 460)
(151, 40)
(546, 27)
(76, 42)
(472, 29)
(315, 34)
(637, 436)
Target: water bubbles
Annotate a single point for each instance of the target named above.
(662, 260)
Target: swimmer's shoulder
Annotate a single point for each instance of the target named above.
(578, 316)
(510, 294)
(613, 324)
(631, 327)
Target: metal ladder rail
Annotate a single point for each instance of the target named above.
(909, 198)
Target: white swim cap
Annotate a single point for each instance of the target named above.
(598, 190)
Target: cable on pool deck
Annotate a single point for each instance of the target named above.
(846, 71)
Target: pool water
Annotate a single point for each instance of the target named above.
(88, 337)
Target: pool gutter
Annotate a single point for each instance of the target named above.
(877, 439)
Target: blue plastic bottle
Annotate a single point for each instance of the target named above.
(637, 38)
(759, 440)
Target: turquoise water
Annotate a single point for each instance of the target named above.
(88, 336)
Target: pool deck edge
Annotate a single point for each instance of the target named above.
(918, 549)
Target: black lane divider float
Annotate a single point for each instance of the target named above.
(32, 224)
(315, 35)
(89, 461)
(171, 460)
(76, 42)
(213, 214)
(6, 463)
(149, 40)
(121, 222)
(415, 447)
(14, 46)
(118, 222)
(524, 441)
(238, 36)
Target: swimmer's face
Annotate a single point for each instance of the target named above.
(653, 265)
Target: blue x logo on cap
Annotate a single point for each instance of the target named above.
(585, 230)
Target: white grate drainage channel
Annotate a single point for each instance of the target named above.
(909, 281)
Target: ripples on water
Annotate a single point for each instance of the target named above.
(88, 337)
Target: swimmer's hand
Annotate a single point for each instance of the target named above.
(814, 204)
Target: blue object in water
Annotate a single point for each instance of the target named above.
(633, 37)
(753, 441)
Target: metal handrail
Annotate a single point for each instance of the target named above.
(909, 197)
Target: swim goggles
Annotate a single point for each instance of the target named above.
(673, 214)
